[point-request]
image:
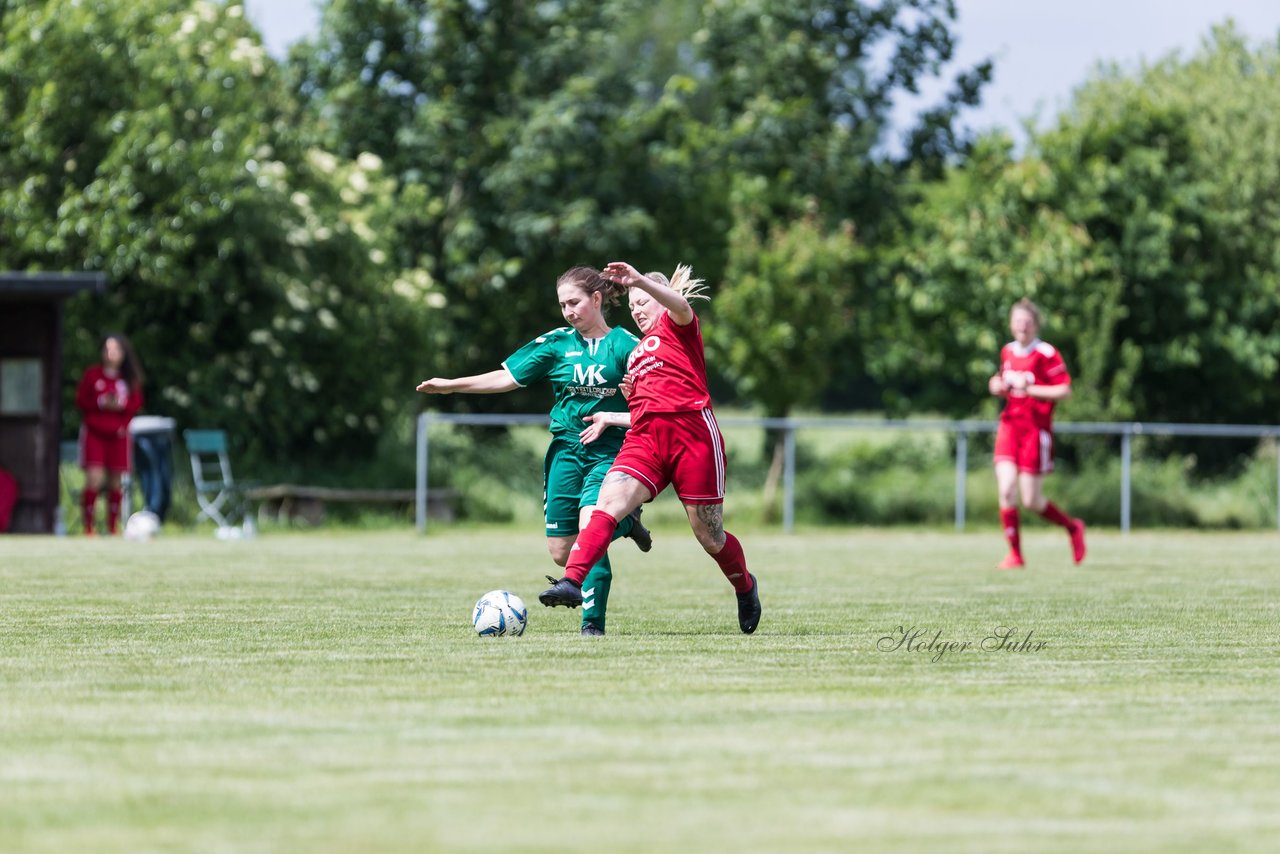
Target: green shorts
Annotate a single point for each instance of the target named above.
(571, 478)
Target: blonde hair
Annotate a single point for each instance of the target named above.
(683, 283)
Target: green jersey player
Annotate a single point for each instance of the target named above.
(585, 363)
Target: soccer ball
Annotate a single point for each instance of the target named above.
(142, 525)
(500, 613)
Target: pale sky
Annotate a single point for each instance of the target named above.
(1043, 48)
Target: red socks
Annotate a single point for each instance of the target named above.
(88, 498)
(1051, 513)
(1054, 514)
(592, 543)
(1009, 521)
(733, 563)
(114, 497)
(88, 503)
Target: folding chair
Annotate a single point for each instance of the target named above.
(217, 492)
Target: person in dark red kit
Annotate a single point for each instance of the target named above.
(674, 439)
(110, 394)
(1032, 378)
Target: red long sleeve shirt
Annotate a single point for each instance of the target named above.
(95, 388)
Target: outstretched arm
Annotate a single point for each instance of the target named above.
(494, 382)
(672, 300)
(1061, 391)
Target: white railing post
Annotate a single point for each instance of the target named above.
(420, 491)
(962, 468)
(788, 479)
(1126, 454)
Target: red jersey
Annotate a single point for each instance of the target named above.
(95, 389)
(1041, 364)
(669, 370)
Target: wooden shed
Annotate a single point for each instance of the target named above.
(31, 311)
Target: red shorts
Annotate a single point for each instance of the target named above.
(113, 453)
(1027, 445)
(684, 449)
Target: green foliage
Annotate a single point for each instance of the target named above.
(802, 91)
(784, 311)
(798, 108)
(1144, 222)
(247, 267)
(496, 120)
(1173, 173)
(530, 137)
(278, 239)
(989, 236)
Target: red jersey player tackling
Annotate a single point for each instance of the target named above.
(109, 395)
(1032, 378)
(673, 440)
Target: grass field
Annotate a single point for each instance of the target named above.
(325, 692)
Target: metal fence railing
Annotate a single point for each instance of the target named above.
(962, 430)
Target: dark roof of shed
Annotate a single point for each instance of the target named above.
(50, 284)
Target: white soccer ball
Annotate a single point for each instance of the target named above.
(142, 525)
(500, 614)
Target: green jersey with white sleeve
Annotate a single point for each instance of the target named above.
(584, 374)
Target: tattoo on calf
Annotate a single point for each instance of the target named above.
(712, 516)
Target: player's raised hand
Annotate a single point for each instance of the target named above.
(621, 272)
(996, 386)
(627, 386)
(435, 385)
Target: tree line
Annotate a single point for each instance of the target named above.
(291, 244)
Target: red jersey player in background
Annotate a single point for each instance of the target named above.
(110, 394)
(1032, 378)
(674, 439)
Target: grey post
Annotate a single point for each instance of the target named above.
(1126, 458)
(420, 497)
(789, 479)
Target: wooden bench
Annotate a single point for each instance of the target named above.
(292, 502)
